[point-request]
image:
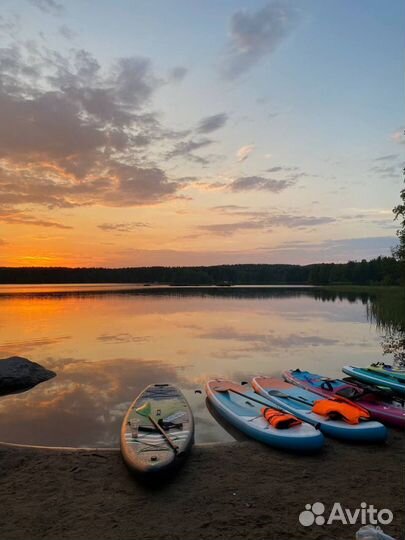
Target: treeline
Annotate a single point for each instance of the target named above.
(380, 271)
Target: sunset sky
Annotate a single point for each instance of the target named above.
(143, 132)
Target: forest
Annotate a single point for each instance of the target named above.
(379, 271)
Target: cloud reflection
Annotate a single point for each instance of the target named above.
(83, 405)
(105, 348)
(19, 347)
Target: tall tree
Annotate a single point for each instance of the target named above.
(394, 341)
(399, 212)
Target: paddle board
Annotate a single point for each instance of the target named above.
(388, 412)
(244, 413)
(299, 402)
(378, 379)
(144, 448)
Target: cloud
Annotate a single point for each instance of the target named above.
(244, 152)
(254, 35)
(388, 157)
(46, 127)
(280, 168)
(377, 243)
(135, 81)
(334, 250)
(137, 186)
(387, 166)
(304, 252)
(48, 6)
(72, 133)
(185, 149)
(267, 341)
(212, 123)
(228, 229)
(123, 227)
(177, 74)
(230, 208)
(15, 217)
(66, 32)
(387, 171)
(293, 221)
(84, 405)
(273, 114)
(383, 217)
(122, 338)
(9, 24)
(42, 185)
(265, 221)
(24, 346)
(249, 183)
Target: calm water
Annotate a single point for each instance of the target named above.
(108, 342)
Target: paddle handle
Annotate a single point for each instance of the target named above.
(165, 435)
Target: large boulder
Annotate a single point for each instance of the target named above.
(17, 374)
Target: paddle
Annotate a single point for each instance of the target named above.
(277, 393)
(270, 405)
(145, 410)
(223, 389)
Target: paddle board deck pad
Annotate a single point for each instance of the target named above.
(376, 378)
(245, 414)
(144, 448)
(268, 387)
(387, 412)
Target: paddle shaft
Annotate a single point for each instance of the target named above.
(285, 396)
(276, 393)
(165, 435)
(252, 399)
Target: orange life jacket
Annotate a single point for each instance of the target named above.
(279, 419)
(352, 414)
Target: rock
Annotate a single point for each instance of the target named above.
(17, 374)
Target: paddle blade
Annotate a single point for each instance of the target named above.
(145, 409)
(277, 393)
(221, 387)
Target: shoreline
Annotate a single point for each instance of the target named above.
(7, 445)
(237, 490)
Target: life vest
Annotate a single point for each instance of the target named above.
(340, 409)
(279, 419)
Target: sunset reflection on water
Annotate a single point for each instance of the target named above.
(106, 347)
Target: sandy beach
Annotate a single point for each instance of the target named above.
(230, 491)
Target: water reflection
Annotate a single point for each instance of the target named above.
(388, 312)
(107, 344)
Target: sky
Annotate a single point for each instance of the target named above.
(148, 132)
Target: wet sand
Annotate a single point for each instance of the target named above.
(235, 491)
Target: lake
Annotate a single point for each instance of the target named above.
(107, 342)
